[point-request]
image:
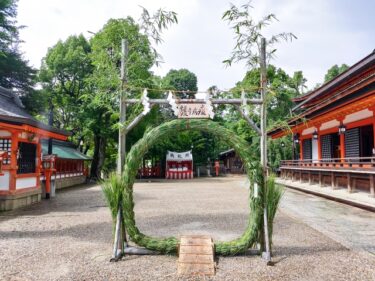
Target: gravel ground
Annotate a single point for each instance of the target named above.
(69, 237)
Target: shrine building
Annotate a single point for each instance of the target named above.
(334, 132)
(22, 169)
(179, 165)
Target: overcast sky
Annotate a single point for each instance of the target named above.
(329, 32)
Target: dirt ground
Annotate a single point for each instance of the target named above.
(69, 237)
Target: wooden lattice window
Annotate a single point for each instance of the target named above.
(307, 149)
(352, 143)
(6, 146)
(26, 158)
(326, 143)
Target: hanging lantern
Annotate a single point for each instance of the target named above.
(296, 138)
(342, 129)
(315, 135)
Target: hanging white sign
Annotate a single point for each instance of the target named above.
(193, 110)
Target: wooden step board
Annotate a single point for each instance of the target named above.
(196, 255)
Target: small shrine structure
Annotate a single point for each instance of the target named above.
(179, 165)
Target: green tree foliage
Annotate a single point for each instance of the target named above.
(298, 82)
(203, 145)
(153, 25)
(101, 111)
(334, 71)
(63, 76)
(281, 90)
(248, 34)
(14, 69)
(81, 80)
(181, 80)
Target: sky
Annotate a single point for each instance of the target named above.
(329, 32)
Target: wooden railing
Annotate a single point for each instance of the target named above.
(351, 162)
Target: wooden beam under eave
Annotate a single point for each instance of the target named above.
(336, 113)
(44, 133)
(27, 128)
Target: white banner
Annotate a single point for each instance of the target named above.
(193, 110)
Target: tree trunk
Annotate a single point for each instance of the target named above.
(98, 157)
(86, 149)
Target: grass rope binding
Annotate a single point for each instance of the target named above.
(134, 160)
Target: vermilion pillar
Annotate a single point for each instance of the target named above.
(372, 108)
(318, 141)
(300, 149)
(342, 147)
(342, 140)
(13, 162)
(38, 163)
(319, 147)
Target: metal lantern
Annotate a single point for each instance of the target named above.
(296, 138)
(315, 135)
(46, 164)
(342, 129)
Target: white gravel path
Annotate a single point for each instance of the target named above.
(69, 237)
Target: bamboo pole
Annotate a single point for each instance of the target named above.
(116, 255)
(123, 102)
(263, 143)
(120, 232)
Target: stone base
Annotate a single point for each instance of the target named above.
(14, 201)
(67, 182)
(71, 181)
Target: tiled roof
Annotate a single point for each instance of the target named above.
(64, 150)
(12, 111)
(358, 67)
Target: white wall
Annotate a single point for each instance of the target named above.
(359, 115)
(4, 181)
(25, 182)
(315, 149)
(5, 133)
(329, 125)
(308, 131)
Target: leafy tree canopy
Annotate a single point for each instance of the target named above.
(181, 80)
(334, 71)
(14, 70)
(63, 76)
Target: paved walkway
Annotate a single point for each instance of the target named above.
(70, 236)
(350, 226)
(358, 198)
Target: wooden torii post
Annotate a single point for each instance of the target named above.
(121, 246)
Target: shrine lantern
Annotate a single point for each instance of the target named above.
(49, 169)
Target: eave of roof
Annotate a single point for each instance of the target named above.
(64, 150)
(338, 111)
(12, 111)
(342, 78)
(34, 123)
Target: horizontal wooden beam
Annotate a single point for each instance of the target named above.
(136, 120)
(202, 101)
